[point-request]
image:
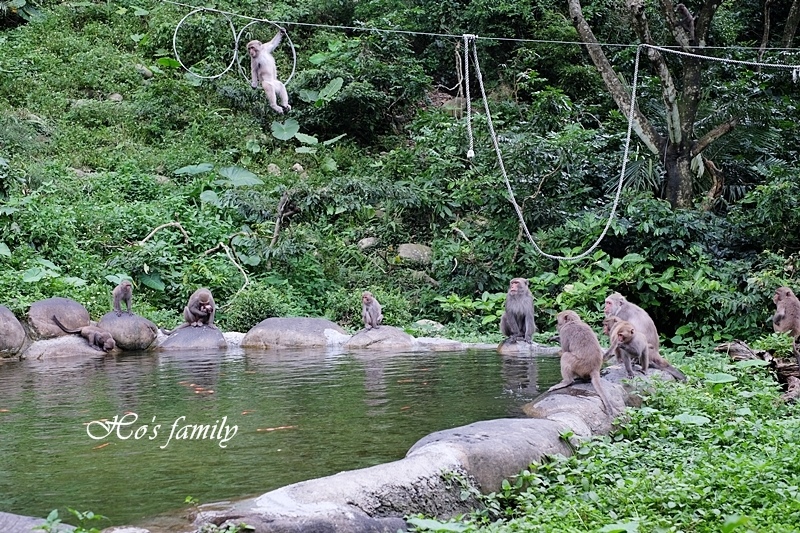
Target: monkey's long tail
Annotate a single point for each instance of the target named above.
(59, 324)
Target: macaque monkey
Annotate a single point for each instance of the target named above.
(198, 312)
(517, 320)
(787, 315)
(654, 359)
(581, 355)
(99, 339)
(263, 70)
(626, 343)
(122, 293)
(370, 311)
(686, 21)
(617, 305)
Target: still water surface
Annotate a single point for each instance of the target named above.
(298, 415)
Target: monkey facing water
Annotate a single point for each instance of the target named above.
(99, 339)
(264, 71)
(123, 293)
(581, 355)
(517, 322)
(370, 311)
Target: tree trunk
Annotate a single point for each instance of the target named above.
(680, 178)
(791, 24)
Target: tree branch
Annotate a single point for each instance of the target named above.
(641, 126)
(668, 91)
(167, 225)
(713, 135)
(791, 24)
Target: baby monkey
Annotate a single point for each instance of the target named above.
(264, 71)
(626, 344)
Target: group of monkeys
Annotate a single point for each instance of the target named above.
(631, 331)
(199, 311)
(632, 335)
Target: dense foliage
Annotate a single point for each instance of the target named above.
(104, 138)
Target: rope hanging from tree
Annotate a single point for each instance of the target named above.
(469, 42)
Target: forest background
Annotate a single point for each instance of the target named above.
(105, 137)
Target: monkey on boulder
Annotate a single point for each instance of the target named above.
(517, 322)
(581, 355)
(370, 311)
(123, 293)
(198, 312)
(99, 339)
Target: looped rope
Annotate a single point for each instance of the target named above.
(237, 37)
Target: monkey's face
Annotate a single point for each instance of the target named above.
(366, 298)
(109, 345)
(253, 48)
(625, 334)
(517, 285)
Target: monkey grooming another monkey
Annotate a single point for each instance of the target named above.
(198, 312)
(97, 338)
(370, 311)
(123, 293)
(654, 359)
(263, 70)
(626, 343)
(517, 321)
(581, 355)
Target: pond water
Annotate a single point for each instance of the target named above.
(297, 414)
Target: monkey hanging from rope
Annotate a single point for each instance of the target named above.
(263, 70)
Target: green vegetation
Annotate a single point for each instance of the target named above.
(83, 519)
(104, 138)
(115, 162)
(715, 455)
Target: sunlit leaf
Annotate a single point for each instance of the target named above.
(75, 282)
(168, 62)
(431, 524)
(32, 275)
(4, 250)
(748, 363)
(153, 281)
(210, 197)
(331, 141)
(285, 130)
(719, 378)
(48, 264)
(239, 177)
(305, 150)
(333, 87)
(306, 139)
(696, 420)
(191, 170)
(629, 527)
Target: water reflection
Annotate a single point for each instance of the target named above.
(298, 414)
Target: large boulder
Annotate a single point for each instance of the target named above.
(69, 312)
(383, 337)
(130, 332)
(195, 338)
(281, 332)
(415, 253)
(12, 334)
(67, 346)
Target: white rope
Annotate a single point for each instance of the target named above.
(237, 37)
(628, 135)
(467, 40)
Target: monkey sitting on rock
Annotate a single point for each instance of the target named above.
(581, 355)
(517, 322)
(198, 312)
(370, 311)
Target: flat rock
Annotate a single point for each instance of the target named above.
(130, 332)
(14, 523)
(194, 338)
(67, 346)
(383, 337)
(284, 332)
